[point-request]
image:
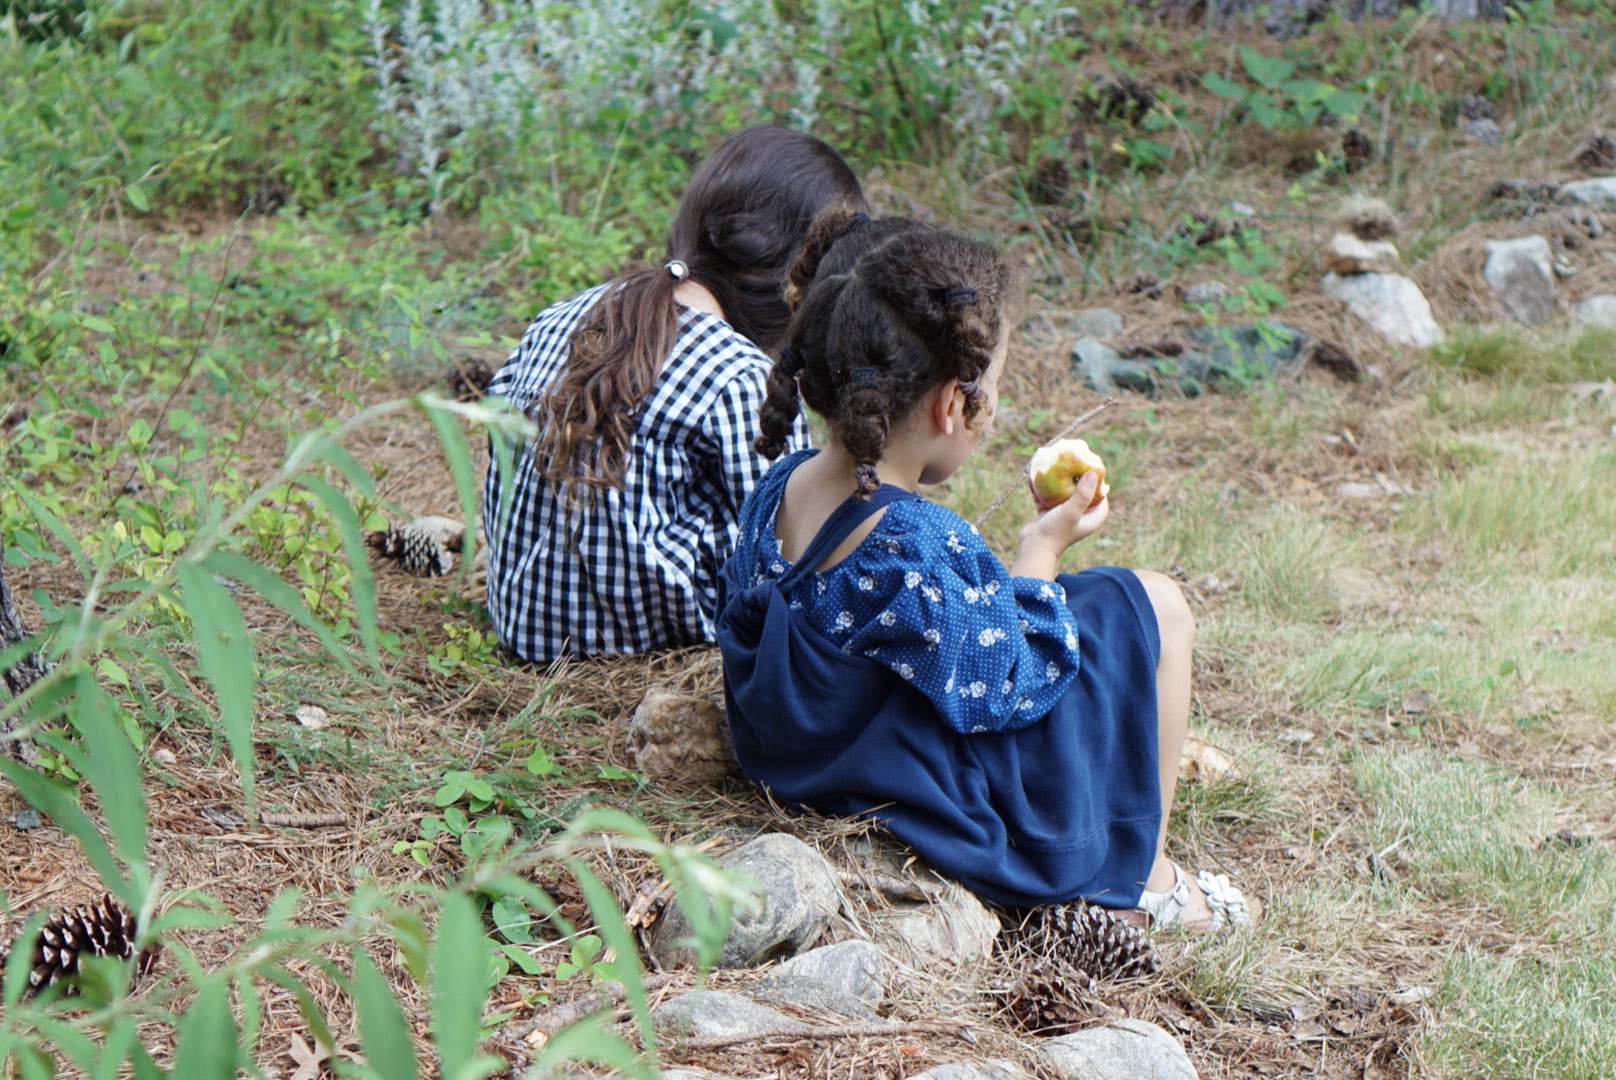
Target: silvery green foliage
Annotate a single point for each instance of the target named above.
(456, 77)
(983, 52)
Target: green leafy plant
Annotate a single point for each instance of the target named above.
(1279, 102)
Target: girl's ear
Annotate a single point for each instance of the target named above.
(947, 407)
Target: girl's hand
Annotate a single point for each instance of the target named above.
(1057, 529)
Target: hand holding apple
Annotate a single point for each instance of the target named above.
(1056, 469)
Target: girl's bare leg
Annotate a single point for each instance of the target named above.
(1177, 627)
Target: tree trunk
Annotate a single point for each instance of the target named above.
(25, 672)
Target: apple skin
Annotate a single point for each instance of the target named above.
(1056, 469)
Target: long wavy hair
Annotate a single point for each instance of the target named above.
(738, 228)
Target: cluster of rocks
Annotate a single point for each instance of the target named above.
(800, 897)
(1200, 358)
(1363, 274)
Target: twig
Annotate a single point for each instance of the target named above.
(538, 1031)
(1021, 481)
(888, 885)
(296, 820)
(840, 1031)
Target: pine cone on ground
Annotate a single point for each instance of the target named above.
(1599, 154)
(1050, 999)
(1092, 940)
(105, 928)
(425, 547)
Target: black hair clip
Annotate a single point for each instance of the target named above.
(864, 376)
(958, 296)
(860, 218)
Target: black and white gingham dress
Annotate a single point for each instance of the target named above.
(637, 568)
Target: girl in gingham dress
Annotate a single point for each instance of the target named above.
(608, 534)
(1019, 728)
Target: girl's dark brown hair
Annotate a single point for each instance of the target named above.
(884, 311)
(741, 221)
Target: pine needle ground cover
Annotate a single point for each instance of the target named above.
(200, 266)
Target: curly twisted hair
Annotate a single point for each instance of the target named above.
(739, 226)
(883, 311)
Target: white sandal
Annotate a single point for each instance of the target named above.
(1226, 901)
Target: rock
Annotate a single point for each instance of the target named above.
(25, 819)
(997, 1069)
(810, 994)
(1483, 130)
(1598, 311)
(1124, 1050)
(855, 968)
(1521, 272)
(676, 737)
(1390, 303)
(799, 894)
(1599, 193)
(1104, 369)
(1206, 292)
(1237, 354)
(703, 1014)
(1095, 323)
(956, 929)
(1242, 210)
(1346, 254)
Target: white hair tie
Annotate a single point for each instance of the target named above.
(678, 269)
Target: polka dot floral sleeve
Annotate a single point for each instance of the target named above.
(926, 597)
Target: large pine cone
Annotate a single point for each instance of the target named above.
(101, 929)
(1092, 940)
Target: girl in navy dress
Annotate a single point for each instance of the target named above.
(1019, 728)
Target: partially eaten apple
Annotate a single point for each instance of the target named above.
(1056, 469)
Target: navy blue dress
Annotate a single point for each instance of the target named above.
(1003, 727)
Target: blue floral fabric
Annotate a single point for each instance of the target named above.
(923, 595)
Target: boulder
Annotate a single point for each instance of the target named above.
(810, 995)
(855, 968)
(1104, 369)
(955, 930)
(798, 894)
(1391, 303)
(1521, 272)
(1598, 193)
(1346, 254)
(703, 1014)
(1124, 1050)
(1095, 323)
(680, 738)
(1598, 311)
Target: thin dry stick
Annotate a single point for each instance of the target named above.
(1021, 482)
(538, 1031)
(840, 1031)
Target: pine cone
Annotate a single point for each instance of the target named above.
(102, 929)
(1050, 999)
(425, 547)
(1092, 940)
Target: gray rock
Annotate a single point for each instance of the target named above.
(799, 894)
(1598, 311)
(1096, 323)
(997, 1069)
(1599, 193)
(809, 994)
(1347, 254)
(1236, 353)
(855, 968)
(1390, 303)
(1124, 1050)
(26, 818)
(703, 1014)
(1240, 209)
(1521, 272)
(1206, 292)
(956, 929)
(1104, 369)
(1483, 130)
